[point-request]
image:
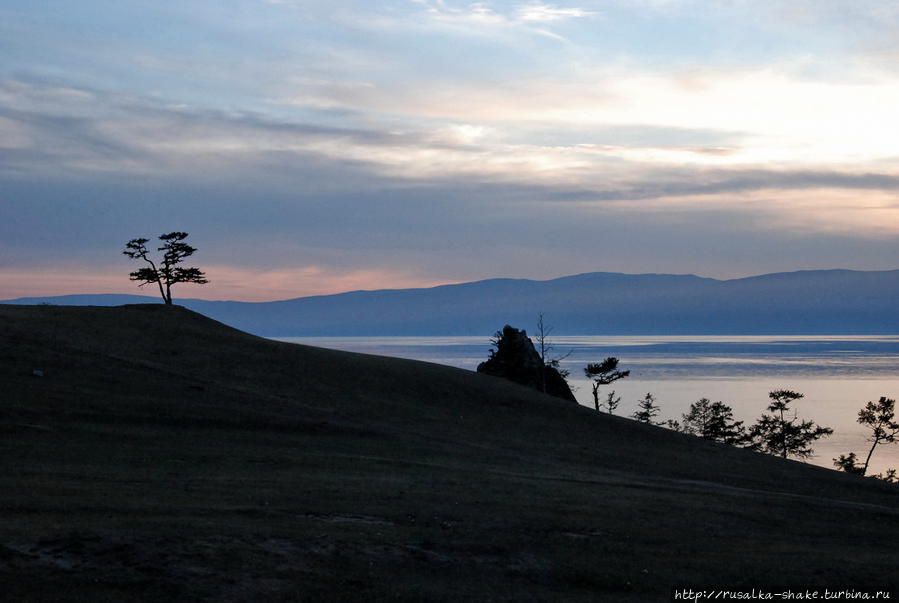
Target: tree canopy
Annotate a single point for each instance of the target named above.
(168, 271)
(647, 410)
(713, 421)
(879, 417)
(603, 373)
(777, 434)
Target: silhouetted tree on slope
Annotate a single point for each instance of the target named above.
(168, 272)
(879, 417)
(612, 402)
(545, 347)
(647, 410)
(849, 464)
(713, 421)
(776, 434)
(603, 373)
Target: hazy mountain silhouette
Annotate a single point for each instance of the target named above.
(805, 302)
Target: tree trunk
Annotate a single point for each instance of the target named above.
(783, 434)
(596, 396)
(158, 279)
(868, 459)
(541, 339)
(162, 292)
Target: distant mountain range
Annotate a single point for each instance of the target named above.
(599, 303)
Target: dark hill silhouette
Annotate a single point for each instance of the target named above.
(161, 456)
(807, 302)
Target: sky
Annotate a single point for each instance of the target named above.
(314, 147)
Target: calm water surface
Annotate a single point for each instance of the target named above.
(837, 374)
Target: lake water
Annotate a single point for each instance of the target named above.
(837, 374)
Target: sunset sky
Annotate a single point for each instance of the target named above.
(314, 147)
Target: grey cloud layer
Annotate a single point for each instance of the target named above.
(85, 178)
(139, 136)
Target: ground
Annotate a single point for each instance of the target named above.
(162, 456)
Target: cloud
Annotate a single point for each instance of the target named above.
(481, 18)
(134, 136)
(782, 113)
(531, 177)
(138, 136)
(546, 13)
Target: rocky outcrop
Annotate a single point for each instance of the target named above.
(516, 359)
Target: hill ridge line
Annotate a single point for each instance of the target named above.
(807, 302)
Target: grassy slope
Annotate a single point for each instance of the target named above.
(165, 456)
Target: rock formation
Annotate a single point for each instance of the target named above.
(516, 359)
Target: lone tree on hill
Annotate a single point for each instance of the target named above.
(175, 250)
(775, 434)
(603, 373)
(879, 417)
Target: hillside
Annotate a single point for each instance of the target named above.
(163, 456)
(800, 303)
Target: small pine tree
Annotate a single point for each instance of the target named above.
(673, 425)
(611, 403)
(849, 464)
(889, 476)
(647, 410)
(712, 421)
(776, 434)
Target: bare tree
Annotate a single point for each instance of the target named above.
(542, 333)
(168, 272)
(544, 347)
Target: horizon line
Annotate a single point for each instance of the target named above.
(452, 284)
